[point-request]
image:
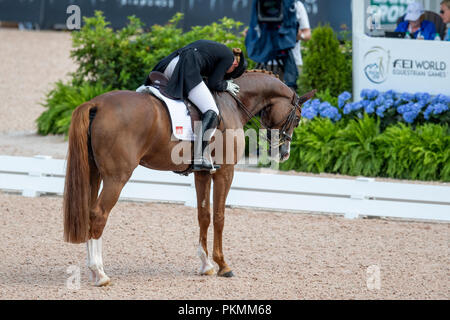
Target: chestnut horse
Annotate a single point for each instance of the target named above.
(115, 132)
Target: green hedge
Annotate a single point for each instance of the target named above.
(60, 103)
(357, 147)
(123, 58)
(327, 64)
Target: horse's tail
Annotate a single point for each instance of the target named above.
(77, 187)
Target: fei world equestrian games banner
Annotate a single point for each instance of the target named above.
(402, 65)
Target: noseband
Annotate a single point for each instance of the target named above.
(290, 118)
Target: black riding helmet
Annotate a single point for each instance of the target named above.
(242, 66)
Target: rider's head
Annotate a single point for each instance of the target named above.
(239, 65)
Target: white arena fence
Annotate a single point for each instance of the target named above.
(349, 197)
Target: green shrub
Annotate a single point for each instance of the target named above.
(61, 101)
(357, 149)
(313, 147)
(123, 58)
(326, 65)
(421, 154)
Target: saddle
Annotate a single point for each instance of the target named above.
(160, 81)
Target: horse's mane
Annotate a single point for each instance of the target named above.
(262, 71)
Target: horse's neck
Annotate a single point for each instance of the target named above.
(256, 91)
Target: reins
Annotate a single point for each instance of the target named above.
(287, 122)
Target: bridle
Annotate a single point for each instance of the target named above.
(288, 121)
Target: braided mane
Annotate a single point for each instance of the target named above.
(262, 71)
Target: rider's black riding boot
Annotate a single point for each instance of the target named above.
(210, 120)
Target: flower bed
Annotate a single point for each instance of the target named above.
(390, 107)
(389, 134)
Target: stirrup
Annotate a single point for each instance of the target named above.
(205, 165)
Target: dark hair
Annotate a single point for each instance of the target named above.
(242, 66)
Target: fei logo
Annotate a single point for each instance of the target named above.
(376, 64)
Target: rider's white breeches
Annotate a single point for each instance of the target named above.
(199, 95)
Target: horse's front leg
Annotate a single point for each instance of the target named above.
(203, 189)
(222, 183)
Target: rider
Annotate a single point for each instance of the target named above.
(185, 69)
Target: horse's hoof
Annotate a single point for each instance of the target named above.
(103, 282)
(209, 272)
(227, 274)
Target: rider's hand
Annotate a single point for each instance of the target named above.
(232, 87)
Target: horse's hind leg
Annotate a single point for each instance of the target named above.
(95, 262)
(94, 247)
(203, 189)
(99, 215)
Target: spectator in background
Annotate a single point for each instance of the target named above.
(445, 15)
(304, 34)
(268, 42)
(415, 24)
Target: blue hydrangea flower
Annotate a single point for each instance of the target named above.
(407, 96)
(343, 98)
(405, 108)
(331, 113)
(381, 110)
(324, 106)
(379, 101)
(397, 95)
(389, 95)
(423, 97)
(410, 116)
(441, 98)
(307, 104)
(315, 104)
(388, 103)
(309, 113)
(364, 93)
(370, 107)
(357, 106)
(439, 108)
(417, 107)
(348, 108)
(372, 94)
(428, 112)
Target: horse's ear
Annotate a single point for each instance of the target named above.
(307, 96)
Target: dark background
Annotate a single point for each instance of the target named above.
(49, 14)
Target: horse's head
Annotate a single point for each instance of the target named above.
(281, 116)
(278, 106)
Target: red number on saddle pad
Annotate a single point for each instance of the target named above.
(179, 130)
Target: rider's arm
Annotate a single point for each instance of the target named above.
(216, 80)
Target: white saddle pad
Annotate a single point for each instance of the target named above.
(179, 114)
